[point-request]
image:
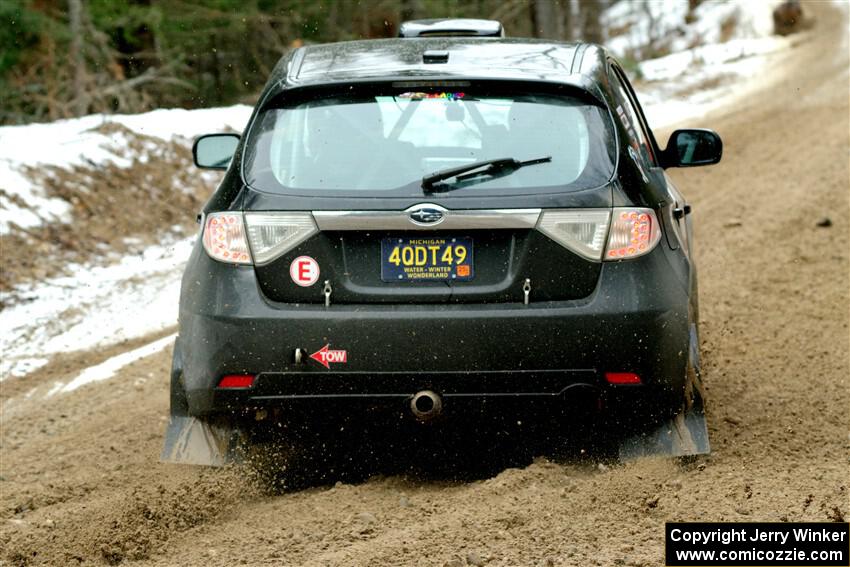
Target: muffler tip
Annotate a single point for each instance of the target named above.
(426, 405)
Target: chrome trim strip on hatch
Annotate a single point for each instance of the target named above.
(451, 220)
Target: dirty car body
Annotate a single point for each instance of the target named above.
(433, 224)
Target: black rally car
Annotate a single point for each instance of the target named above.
(437, 222)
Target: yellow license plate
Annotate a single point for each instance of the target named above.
(427, 258)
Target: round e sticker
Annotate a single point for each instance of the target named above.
(304, 271)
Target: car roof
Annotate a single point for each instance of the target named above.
(468, 57)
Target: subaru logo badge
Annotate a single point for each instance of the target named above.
(426, 215)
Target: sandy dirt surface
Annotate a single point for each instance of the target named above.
(80, 482)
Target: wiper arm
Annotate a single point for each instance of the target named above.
(493, 167)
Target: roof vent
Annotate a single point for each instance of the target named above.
(451, 28)
(434, 56)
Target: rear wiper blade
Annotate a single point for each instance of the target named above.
(495, 167)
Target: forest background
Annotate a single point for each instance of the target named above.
(68, 58)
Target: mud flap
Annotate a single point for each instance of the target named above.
(684, 434)
(194, 441)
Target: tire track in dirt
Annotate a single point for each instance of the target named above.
(81, 484)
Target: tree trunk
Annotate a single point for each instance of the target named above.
(563, 13)
(592, 21)
(544, 19)
(410, 10)
(78, 58)
(575, 26)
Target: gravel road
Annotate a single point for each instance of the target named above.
(80, 482)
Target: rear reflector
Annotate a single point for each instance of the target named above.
(622, 378)
(236, 381)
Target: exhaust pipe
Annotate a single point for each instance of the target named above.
(426, 405)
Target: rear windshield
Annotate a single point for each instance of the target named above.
(383, 144)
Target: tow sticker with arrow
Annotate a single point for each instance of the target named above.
(325, 356)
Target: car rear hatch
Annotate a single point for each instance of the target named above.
(372, 189)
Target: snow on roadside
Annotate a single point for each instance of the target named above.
(76, 142)
(92, 307)
(677, 66)
(724, 43)
(635, 25)
(111, 366)
(687, 85)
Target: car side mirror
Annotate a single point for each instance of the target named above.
(214, 151)
(692, 147)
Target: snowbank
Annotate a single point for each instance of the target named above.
(665, 23)
(720, 45)
(95, 306)
(75, 142)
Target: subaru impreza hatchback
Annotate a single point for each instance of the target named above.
(443, 221)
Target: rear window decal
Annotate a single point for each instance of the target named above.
(417, 95)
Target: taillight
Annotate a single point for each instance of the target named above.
(274, 234)
(622, 232)
(634, 232)
(255, 237)
(582, 230)
(224, 238)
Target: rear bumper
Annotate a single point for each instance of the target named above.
(636, 320)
